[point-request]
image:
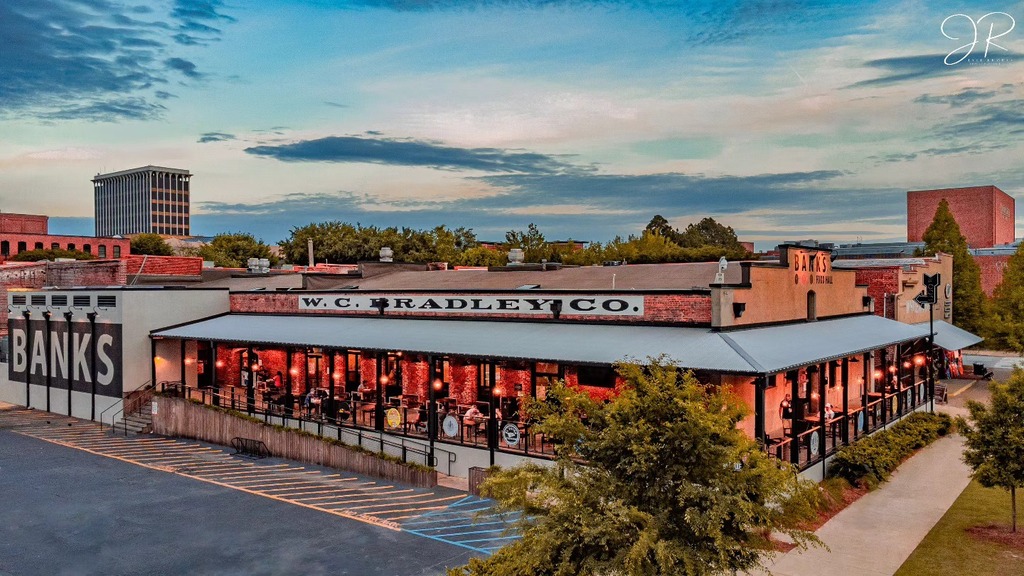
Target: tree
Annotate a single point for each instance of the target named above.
(670, 485)
(995, 439)
(535, 247)
(50, 254)
(708, 232)
(481, 256)
(1007, 325)
(234, 250)
(152, 244)
(943, 235)
(660, 226)
(341, 242)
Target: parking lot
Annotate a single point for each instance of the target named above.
(79, 501)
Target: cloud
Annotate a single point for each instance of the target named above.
(336, 105)
(408, 152)
(98, 54)
(214, 137)
(184, 66)
(999, 123)
(958, 100)
(901, 69)
(107, 111)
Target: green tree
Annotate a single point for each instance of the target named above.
(709, 232)
(341, 242)
(50, 254)
(233, 250)
(995, 439)
(152, 244)
(1007, 324)
(531, 241)
(943, 235)
(670, 485)
(659, 225)
(481, 256)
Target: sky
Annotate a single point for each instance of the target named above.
(783, 119)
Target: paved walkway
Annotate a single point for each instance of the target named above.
(876, 534)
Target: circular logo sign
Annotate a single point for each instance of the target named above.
(510, 434)
(949, 291)
(814, 442)
(394, 417)
(450, 426)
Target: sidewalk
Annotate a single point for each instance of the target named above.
(876, 534)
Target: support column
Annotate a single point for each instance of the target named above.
(492, 420)
(869, 374)
(152, 361)
(822, 392)
(794, 444)
(28, 356)
(250, 384)
(760, 383)
(378, 411)
(327, 407)
(69, 353)
(181, 365)
(432, 408)
(845, 372)
(49, 357)
(92, 362)
(214, 384)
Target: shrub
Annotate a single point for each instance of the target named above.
(869, 462)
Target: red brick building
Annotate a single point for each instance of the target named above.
(25, 232)
(985, 214)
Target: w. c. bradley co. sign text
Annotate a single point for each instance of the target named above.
(565, 305)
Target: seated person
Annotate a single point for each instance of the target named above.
(473, 415)
(829, 412)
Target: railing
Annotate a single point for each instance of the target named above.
(130, 405)
(321, 426)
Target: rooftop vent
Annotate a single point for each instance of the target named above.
(386, 254)
(258, 265)
(516, 256)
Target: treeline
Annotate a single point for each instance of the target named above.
(342, 242)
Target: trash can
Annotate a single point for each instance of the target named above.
(477, 475)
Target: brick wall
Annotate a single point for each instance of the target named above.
(18, 275)
(985, 214)
(992, 268)
(880, 282)
(23, 224)
(678, 308)
(86, 273)
(12, 244)
(164, 265)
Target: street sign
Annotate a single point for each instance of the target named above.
(932, 279)
(931, 285)
(924, 299)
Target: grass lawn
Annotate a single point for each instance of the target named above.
(949, 549)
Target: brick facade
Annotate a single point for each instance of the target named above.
(24, 223)
(882, 283)
(694, 309)
(13, 244)
(985, 214)
(164, 265)
(992, 268)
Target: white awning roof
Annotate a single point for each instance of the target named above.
(951, 337)
(757, 350)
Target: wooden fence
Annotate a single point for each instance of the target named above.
(181, 418)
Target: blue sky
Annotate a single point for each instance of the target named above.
(785, 120)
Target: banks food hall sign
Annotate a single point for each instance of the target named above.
(483, 304)
(76, 357)
(810, 267)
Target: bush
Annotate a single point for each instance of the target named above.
(869, 462)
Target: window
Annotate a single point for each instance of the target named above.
(5, 248)
(544, 373)
(54, 246)
(599, 376)
(103, 251)
(117, 251)
(59, 300)
(22, 247)
(106, 301)
(352, 369)
(812, 306)
(82, 301)
(484, 382)
(71, 246)
(39, 246)
(87, 248)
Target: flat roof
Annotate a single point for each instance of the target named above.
(149, 168)
(682, 276)
(753, 351)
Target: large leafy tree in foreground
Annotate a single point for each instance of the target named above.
(234, 250)
(943, 235)
(995, 439)
(669, 485)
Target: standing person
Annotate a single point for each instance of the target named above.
(786, 408)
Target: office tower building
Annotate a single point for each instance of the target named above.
(151, 199)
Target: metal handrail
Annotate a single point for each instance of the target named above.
(130, 409)
(413, 447)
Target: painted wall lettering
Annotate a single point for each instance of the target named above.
(486, 304)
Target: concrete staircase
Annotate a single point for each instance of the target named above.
(139, 423)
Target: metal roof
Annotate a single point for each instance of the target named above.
(780, 348)
(950, 337)
(757, 350)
